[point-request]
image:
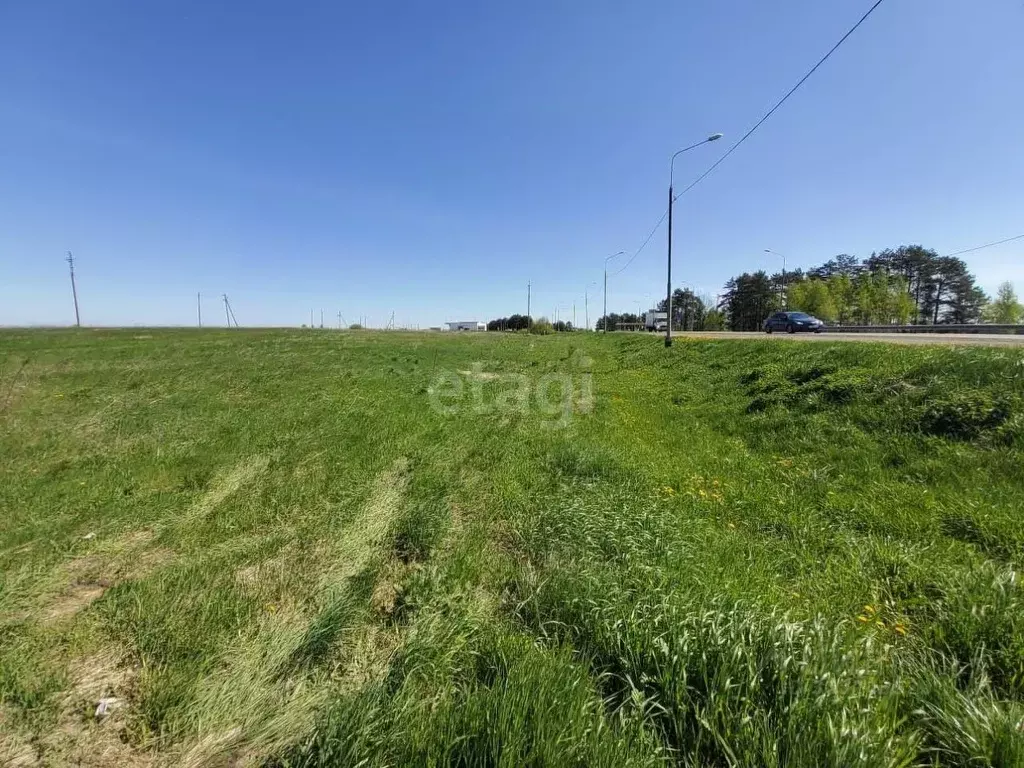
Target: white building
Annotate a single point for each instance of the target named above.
(467, 325)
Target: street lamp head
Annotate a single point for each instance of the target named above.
(714, 137)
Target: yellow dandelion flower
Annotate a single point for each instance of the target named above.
(863, 619)
(899, 628)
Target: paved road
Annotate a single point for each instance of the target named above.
(969, 339)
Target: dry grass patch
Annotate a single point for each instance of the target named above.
(362, 537)
(80, 736)
(85, 579)
(249, 710)
(242, 474)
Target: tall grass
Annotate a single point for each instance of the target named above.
(747, 553)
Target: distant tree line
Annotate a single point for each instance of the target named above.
(898, 286)
(613, 321)
(525, 322)
(909, 284)
(513, 323)
(690, 312)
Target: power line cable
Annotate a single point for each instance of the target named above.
(782, 101)
(987, 245)
(747, 135)
(638, 250)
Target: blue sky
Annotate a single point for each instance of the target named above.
(432, 158)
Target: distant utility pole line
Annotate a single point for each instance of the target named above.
(228, 312)
(321, 318)
(199, 308)
(74, 290)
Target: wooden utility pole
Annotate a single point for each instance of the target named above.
(529, 289)
(74, 290)
(199, 308)
(229, 312)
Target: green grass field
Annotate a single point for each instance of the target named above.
(316, 548)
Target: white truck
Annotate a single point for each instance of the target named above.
(655, 321)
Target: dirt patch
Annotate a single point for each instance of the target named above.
(107, 673)
(82, 739)
(88, 577)
(76, 598)
(15, 749)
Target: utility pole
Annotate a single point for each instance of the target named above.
(574, 315)
(671, 199)
(229, 313)
(607, 259)
(604, 320)
(529, 320)
(586, 307)
(199, 308)
(311, 325)
(74, 290)
(339, 321)
(668, 306)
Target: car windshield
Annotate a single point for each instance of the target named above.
(799, 316)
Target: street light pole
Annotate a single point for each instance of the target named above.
(605, 318)
(785, 298)
(671, 200)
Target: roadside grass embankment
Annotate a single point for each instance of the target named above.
(299, 549)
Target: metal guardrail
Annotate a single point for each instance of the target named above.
(940, 328)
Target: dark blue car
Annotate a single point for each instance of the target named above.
(791, 322)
